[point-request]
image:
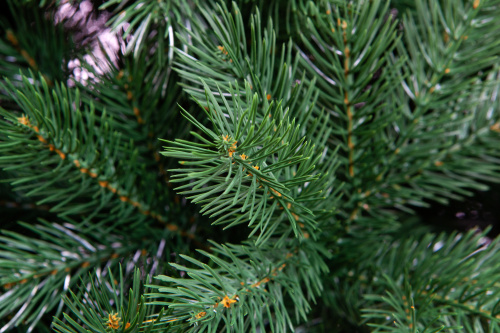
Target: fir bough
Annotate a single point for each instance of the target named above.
(248, 166)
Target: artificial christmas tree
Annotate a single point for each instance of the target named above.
(247, 166)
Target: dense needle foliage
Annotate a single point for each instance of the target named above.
(247, 166)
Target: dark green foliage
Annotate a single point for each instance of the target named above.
(446, 296)
(265, 167)
(248, 166)
(31, 41)
(110, 300)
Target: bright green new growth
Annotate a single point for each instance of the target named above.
(249, 166)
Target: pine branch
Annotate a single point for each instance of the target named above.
(355, 75)
(218, 52)
(36, 271)
(451, 106)
(249, 164)
(424, 281)
(38, 268)
(249, 64)
(105, 307)
(59, 138)
(73, 150)
(237, 293)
